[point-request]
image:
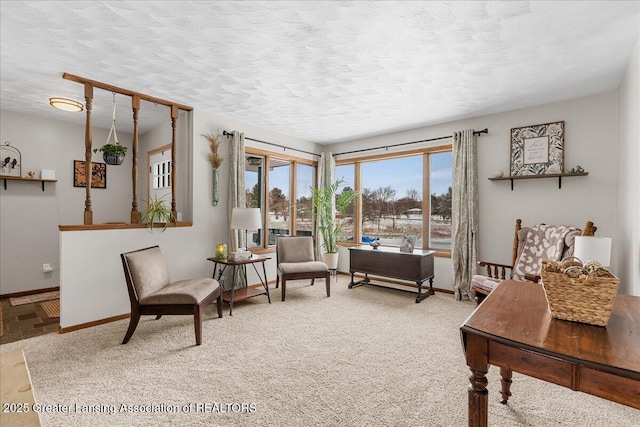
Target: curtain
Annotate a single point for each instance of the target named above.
(237, 197)
(326, 177)
(464, 212)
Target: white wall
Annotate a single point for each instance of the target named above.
(30, 217)
(590, 141)
(92, 283)
(627, 237)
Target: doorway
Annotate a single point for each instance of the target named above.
(159, 174)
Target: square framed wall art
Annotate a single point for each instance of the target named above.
(537, 149)
(98, 174)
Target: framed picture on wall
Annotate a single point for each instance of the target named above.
(537, 149)
(408, 243)
(98, 174)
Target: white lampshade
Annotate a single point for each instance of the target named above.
(591, 248)
(246, 219)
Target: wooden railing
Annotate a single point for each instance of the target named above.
(89, 85)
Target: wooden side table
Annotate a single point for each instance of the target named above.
(233, 295)
(513, 329)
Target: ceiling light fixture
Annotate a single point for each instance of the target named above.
(66, 104)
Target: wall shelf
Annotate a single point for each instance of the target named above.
(6, 178)
(553, 175)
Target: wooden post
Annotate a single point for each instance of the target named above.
(135, 214)
(514, 251)
(88, 96)
(174, 118)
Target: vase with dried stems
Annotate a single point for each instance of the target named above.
(216, 161)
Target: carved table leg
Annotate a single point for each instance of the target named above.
(505, 384)
(477, 360)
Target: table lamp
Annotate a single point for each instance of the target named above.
(591, 248)
(246, 219)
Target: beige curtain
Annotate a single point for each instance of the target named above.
(236, 186)
(464, 212)
(236, 191)
(326, 173)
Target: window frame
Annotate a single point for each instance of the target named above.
(293, 164)
(426, 193)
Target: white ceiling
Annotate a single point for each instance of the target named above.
(318, 71)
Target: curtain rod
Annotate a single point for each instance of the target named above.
(478, 132)
(225, 133)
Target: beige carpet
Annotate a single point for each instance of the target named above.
(364, 357)
(28, 299)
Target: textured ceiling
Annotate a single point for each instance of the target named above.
(319, 71)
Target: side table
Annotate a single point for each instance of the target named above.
(231, 296)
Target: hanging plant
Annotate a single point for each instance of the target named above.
(113, 154)
(216, 161)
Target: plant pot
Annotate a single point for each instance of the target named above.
(113, 159)
(331, 259)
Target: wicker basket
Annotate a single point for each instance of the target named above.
(585, 298)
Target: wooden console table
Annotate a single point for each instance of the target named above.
(514, 330)
(245, 292)
(416, 266)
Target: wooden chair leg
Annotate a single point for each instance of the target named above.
(277, 280)
(505, 384)
(158, 316)
(284, 287)
(133, 324)
(327, 280)
(219, 304)
(197, 322)
(313, 281)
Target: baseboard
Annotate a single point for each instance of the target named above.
(31, 292)
(62, 330)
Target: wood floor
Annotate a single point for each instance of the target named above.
(25, 321)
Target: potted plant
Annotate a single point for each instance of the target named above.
(329, 227)
(157, 212)
(113, 154)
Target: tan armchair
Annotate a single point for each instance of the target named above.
(296, 260)
(530, 246)
(152, 293)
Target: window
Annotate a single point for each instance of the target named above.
(253, 186)
(440, 182)
(161, 174)
(305, 175)
(278, 212)
(402, 194)
(346, 174)
(281, 187)
(392, 200)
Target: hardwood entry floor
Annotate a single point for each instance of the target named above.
(25, 321)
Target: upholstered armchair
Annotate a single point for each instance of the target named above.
(152, 293)
(295, 258)
(530, 246)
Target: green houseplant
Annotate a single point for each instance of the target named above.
(113, 154)
(157, 212)
(329, 227)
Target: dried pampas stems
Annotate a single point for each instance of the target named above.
(214, 143)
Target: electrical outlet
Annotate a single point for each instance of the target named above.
(46, 268)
